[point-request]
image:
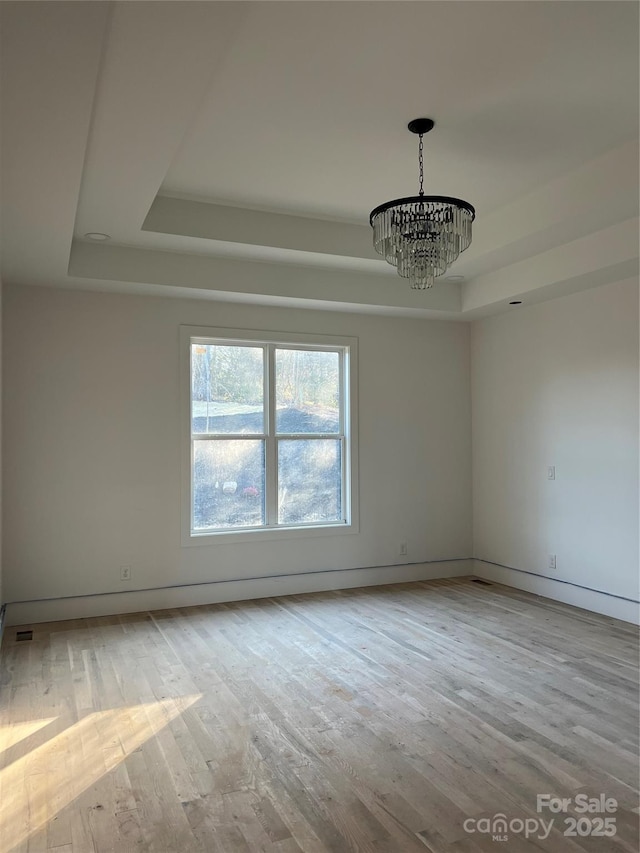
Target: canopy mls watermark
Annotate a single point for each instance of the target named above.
(579, 816)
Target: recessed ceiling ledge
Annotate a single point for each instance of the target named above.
(109, 262)
(600, 258)
(211, 221)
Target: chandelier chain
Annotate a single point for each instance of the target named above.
(420, 149)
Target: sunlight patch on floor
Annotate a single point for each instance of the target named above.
(40, 784)
(15, 732)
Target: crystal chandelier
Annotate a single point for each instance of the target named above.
(422, 235)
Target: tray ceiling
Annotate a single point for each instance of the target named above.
(234, 150)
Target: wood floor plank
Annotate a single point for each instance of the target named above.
(382, 719)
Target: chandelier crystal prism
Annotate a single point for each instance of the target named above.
(422, 235)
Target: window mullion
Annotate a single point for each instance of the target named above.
(344, 483)
(271, 449)
(341, 425)
(343, 404)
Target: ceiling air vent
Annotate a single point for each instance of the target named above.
(21, 636)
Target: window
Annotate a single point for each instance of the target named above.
(270, 432)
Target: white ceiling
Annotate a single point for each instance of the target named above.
(234, 150)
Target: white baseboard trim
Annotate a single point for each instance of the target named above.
(108, 604)
(558, 590)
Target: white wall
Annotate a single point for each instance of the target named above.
(92, 449)
(557, 384)
(1, 587)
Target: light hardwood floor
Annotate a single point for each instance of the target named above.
(378, 719)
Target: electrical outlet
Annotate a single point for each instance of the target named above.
(552, 561)
(125, 573)
(402, 549)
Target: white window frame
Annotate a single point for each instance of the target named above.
(347, 347)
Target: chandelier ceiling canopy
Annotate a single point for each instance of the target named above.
(422, 235)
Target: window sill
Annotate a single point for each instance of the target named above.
(263, 534)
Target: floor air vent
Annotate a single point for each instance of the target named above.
(23, 635)
(478, 580)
